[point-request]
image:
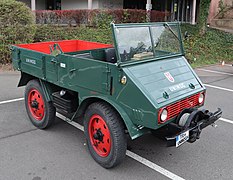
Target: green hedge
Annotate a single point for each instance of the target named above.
(53, 33)
(97, 17)
(17, 25)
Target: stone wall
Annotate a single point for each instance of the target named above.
(214, 9)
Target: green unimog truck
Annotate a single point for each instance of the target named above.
(141, 84)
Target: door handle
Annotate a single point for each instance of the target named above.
(73, 70)
(54, 61)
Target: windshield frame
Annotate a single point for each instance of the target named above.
(150, 26)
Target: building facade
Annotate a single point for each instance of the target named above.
(223, 19)
(181, 10)
(72, 4)
(214, 8)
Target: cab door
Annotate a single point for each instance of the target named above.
(92, 75)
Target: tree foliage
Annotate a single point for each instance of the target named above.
(17, 25)
(16, 21)
(204, 12)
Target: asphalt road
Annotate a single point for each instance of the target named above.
(61, 152)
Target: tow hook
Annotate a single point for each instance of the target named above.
(196, 118)
(194, 121)
(195, 134)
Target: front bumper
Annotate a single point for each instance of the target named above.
(198, 120)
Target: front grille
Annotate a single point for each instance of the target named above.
(175, 109)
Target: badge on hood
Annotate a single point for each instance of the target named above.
(169, 77)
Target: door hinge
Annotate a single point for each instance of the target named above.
(106, 84)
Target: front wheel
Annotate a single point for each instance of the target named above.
(104, 131)
(40, 112)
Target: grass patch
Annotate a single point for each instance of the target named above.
(214, 47)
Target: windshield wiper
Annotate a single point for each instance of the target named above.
(166, 25)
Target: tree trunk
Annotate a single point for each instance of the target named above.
(203, 15)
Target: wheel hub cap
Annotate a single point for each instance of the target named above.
(99, 135)
(36, 104)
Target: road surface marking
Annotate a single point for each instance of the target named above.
(217, 87)
(226, 120)
(217, 72)
(134, 156)
(153, 166)
(12, 100)
(77, 125)
(228, 65)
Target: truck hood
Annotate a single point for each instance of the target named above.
(164, 80)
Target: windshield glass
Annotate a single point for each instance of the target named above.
(135, 43)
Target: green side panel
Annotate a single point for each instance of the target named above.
(75, 73)
(98, 54)
(134, 102)
(32, 63)
(15, 55)
(51, 68)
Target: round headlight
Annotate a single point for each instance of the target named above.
(163, 115)
(201, 98)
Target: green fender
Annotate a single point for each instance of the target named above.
(47, 90)
(133, 130)
(25, 78)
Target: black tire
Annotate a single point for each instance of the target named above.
(48, 116)
(118, 145)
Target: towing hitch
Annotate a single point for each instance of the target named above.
(189, 125)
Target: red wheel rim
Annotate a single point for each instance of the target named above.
(36, 104)
(99, 135)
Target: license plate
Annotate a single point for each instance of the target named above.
(182, 138)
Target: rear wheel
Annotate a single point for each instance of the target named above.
(40, 112)
(105, 134)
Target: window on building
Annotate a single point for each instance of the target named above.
(134, 4)
(53, 4)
